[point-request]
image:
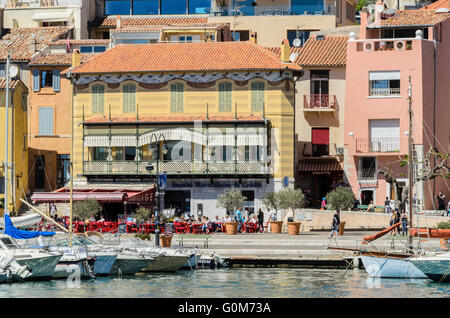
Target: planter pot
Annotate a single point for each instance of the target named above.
(166, 241)
(275, 226)
(231, 227)
(341, 228)
(294, 228)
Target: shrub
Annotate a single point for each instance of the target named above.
(271, 200)
(141, 214)
(84, 209)
(341, 199)
(443, 225)
(231, 201)
(291, 199)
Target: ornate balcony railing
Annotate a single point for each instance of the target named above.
(378, 145)
(367, 174)
(174, 168)
(319, 102)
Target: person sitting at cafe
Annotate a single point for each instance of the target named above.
(216, 224)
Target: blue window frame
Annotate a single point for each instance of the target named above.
(98, 49)
(145, 6)
(173, 7)
(115, 7)
(86, 49)
(199, 6)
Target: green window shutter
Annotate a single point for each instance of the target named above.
(98, 99)
(257, 96)
(129, 98)
(225, 97)
(176, 101)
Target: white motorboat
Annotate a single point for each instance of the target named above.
(11, 271)
(435, 266)
(390, 267)
(75, 261)
(39, 262)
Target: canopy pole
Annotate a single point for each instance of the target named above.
(45, 216)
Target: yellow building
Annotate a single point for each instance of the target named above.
(17, 145)
(223, 111)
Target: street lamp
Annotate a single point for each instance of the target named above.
(149, 168)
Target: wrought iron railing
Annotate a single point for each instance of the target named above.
(367, 174)
(173, 167)
(378, 145)
(384, 91)
(319, 101)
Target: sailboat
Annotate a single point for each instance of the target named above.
(435, 265)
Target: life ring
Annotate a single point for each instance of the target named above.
(92, 233)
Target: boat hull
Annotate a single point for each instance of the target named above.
(104, 263)
(129, 265)
(434, 268)
(385, 267)
(167, 263)
(41, 267)
(67, 269)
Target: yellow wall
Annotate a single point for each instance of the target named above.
(279, 101)
(17, 148)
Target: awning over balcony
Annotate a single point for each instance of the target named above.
(146, 196)
(60, 16)
(319, 166)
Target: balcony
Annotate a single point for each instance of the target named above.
(273, 10)
(365, 145)
(367, 174)
(377, 45)
(319, 103)
(384, 91)
(138, 168)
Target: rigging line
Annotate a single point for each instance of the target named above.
(432, 133)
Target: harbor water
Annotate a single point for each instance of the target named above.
(235, 283)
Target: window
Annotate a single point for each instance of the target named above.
(319, 82)
(257, 96)
(117, 7)
(99, 153)
(63, 170)
(145, 6)
(90, 49)
(177, 99)
(384, 135)
(125, 153)
(249, 200)
(46, 78)
(98, 98)
(367, 168)
(384, 83)
(2, 185)
(45, 121)
(99, 49)
(86, 49)
(308, 6)
(225, 97)
(241, 35)
(320, 140)
(199, 6)
(129, 98)
(173, 7)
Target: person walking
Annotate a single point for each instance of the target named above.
(323, 205)
(404, 220)
(336, 222)
(392, 222)
(441, 201)
(387, 205)
(53, 210)
(260, 220)
(239, 219)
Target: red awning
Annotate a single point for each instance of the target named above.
(144, 197)
(320, 136)
(319, 165)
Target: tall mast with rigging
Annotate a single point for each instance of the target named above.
(410, 164)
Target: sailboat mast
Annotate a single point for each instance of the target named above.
(410, 164)
(5, 209)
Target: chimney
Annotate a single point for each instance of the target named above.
(379, 7)
(253, 37)
(118, 22)
(76, 58)
(285, 51)
(33, 43)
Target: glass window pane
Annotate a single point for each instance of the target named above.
(145, 6)
(115, 7)
(310, 6)
(98, 49)
(130, 153)
(86, 49)
(173, 6)
(199, 6)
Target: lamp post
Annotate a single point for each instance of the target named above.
(149, 168)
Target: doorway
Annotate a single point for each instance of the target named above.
(366, 197)
(39, 175)
(178, 200)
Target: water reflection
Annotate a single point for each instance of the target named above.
(231, 283)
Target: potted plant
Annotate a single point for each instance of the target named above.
(231, 201)
(167, 218)
(271, 200)
(342, 198)
(292, 199)
(84, 209)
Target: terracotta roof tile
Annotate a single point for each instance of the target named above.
(12, 83)
(110, 22)
(165, 119)
(415, 17)
(277, 50)
(159, 27)
(20, 42)
(437, 5)
(170, 57)
(81, 42)
(63, 59)
(330, 51)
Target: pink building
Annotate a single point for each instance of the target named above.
(391, 49)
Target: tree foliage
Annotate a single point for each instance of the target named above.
(291, 199)
(86, 208)
(231, 201)
(342, 198)
(271, 200)
(141, 214)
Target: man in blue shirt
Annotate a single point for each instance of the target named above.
(239, 219)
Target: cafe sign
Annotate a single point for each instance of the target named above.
(144, 197)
